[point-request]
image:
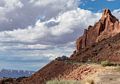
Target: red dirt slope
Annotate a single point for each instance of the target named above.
(60, 70)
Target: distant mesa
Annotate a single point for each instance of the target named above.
(5, 73)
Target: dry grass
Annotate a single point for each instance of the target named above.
(106, 63)
(63, 82)
(87, 81)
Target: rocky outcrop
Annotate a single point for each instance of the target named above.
(54, 70)
(63, 58)
(108, 49)
(106, 27)
(60, 70)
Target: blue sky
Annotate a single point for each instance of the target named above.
(99, 5)
(34, 32)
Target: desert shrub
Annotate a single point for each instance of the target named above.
(106, 63)
(117, 68)
(73, 62)
(21, 78)
(7, 81)
(63, 82)
(88, 81)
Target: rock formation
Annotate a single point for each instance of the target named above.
(106, 27)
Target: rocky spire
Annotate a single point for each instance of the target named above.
(106, 27)
(108, 15)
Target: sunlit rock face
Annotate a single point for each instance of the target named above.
(106, 27)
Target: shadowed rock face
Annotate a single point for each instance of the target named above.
(106, 27)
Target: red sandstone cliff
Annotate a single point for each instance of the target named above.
(106, 27)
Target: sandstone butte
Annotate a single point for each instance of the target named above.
(99, 42)
(108, 26)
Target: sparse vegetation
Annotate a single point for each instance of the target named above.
(89, 81)
(117, 68)
(106, 63)
(73, 62)
(70, 82)
(63, 82)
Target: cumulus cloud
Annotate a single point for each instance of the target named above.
(12, 4)
(68, 23)
(116, 12)
(8, 5)
(54, 3)
(21, 13)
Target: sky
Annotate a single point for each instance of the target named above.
(34, 32)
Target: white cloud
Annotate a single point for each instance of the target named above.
(116, 12)
(22, 13)
(70, 25)
(56, 4)
(6, 6)
(11, 4)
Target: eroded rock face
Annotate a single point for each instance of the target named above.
(106, 27)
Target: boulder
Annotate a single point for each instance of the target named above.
(63, 58)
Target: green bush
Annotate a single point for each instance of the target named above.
(63, 82)
(106, 63)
